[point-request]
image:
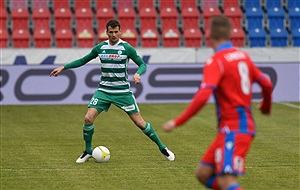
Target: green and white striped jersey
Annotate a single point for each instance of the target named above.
(114, 65)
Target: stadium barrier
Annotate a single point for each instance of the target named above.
(172, 76)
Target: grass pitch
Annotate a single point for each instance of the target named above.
(39, 146)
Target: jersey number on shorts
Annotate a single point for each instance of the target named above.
(94, 101)
(244, 74)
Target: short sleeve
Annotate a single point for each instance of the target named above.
(212, 73)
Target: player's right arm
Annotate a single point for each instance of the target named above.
(76, 63)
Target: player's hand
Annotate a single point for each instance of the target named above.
(56, 71)
(263, 110)
(136, 78)
(169, 126)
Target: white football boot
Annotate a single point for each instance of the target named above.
(168, 154)
(84, 157)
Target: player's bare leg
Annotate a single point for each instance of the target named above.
(150, 132)
(228, 181)
(88, 131)
(206, 175)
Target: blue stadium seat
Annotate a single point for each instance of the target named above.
(296, 37)
(293, 3)
(294, 16)
(254, 17)
(279, 37)
(252, 3)
(257, 37)
(273, 3)
(276, 17)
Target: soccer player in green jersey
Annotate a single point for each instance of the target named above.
(113, 87)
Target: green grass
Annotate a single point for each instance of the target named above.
(39, 146)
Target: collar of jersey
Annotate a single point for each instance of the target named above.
(223, 46)
(115, 44)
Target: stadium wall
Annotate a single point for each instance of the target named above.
(173, 75)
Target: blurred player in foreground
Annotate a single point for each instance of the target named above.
(114, 87)
(229, 75)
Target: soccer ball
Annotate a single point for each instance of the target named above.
(101, 154)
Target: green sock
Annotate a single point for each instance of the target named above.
(88, 131)
(150, 132)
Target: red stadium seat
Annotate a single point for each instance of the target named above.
(63, 38)
(2, 4)
(58, 4)
(103, 15)
(126, 17)
(209, 3)
(208, 13)
(84, 18)
(17, 4)
(41, 17)
(37, 4)
(235, 16)
(147, 17)
(192, 37)
(129, 35)
(166, 3)
(85, 38)
(3, 18)
(190, 17)
(237, 37)
(149, 38)
(103, 4)
(188, 4)
(62, 18)
(3, 37)
(42, 38)
(230, 3)
(207, 38)
(169, 18)
(146, 4)
(102, 36)
(125, 4)
(171, 37)
(79, 4)
(20, 18)
(20, 38)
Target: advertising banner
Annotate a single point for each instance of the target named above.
(162, 83)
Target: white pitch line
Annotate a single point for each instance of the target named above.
(289, 105)
(153, 168)
(75, 169)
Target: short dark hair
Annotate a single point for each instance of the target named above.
(220, 28)
(113, 23)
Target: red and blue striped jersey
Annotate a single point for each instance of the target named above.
(229, 75)
(230, 72)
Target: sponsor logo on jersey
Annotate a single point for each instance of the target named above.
(113, 56)
(109, 56)
(128, 108)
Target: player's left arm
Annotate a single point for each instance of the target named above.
(132, 54)
(267, 88)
